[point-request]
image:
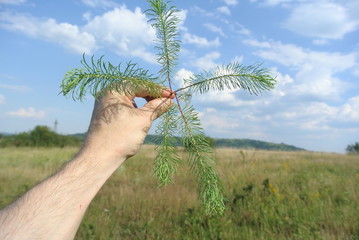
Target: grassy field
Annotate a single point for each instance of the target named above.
(270, 195)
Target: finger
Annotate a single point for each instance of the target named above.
(148, 98)
(134, 104)
(157, 107)
(168, 93)
(143, 93)
(129, 97)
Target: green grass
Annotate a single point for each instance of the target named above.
(270, 195)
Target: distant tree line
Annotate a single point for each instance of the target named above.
(353, 148)
(43, 136)
(235, 143)
(40, 136)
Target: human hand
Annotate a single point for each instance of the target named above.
(118, 128)
(54, 208)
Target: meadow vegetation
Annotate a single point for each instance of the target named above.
(269, 195)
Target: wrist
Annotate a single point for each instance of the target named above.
(99, 157)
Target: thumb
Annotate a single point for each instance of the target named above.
(157, 107)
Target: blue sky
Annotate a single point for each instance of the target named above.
(311, 47)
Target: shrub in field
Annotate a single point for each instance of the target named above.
(40, 136)
(97, 77)
(353, 148)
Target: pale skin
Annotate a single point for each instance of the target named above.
(54, 208)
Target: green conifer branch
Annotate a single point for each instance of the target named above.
(200, 160)
(98, 77)
(164, 20)
(167, 157)
(233, 76)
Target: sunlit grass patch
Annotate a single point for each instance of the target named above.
(269, 195)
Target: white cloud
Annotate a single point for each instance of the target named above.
(207, 61)
(231, 2)
(121, 30)
(214, 29)
(234, 26)
(238, 59)
(219, 122)
(13, 2)
(282, 3)
(65, 34)
(324, 19)
(319, 115)
(309, 97)
(197, 10)
(226, 96)
(100, 3)
(27, 113)
(18, 88)
(350, 110)
(316, 70)
(200, 41)
(275, 2)
(210, 110)
(87, 16)
(182, 15)
(141, 52)
(224, 10)
(256, 43)
(242, 30)
(320, 42)
(321, 20)
(211, 119)
(283, 80)
(126, 32)
(181, 75)
(2, 99)
(236, 123)
(356, 70)
(352, 7)
(189, 38)
(313, 110)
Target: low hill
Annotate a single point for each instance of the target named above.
(255, 144)
(217, 142)
(239, 143)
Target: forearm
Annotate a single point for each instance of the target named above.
(59, 201)
(54, 208)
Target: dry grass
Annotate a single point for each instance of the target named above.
(271, 195)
